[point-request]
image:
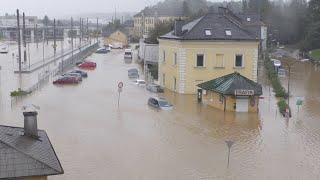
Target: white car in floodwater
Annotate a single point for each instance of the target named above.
(140, 82)
(4, 49)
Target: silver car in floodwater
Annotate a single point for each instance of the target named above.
(159, 103)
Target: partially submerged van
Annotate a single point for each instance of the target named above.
(128, 54)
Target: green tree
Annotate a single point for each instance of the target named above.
(314, 10)
(159, 30)
(46, 20)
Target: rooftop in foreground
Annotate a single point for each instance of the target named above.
(24, 156)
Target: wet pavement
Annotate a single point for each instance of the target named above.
(94, 139)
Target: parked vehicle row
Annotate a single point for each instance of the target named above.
(87, 65)
(75, 76)
(155, 102)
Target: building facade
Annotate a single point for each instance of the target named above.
(147, 19)
(209, 47)
(232, 92)
(116, 37)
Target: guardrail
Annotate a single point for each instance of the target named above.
(47, 61)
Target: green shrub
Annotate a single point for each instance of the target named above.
(19, 92)
(274, 79)
(282, 104)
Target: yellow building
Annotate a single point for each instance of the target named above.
(146, 20)
(232, 92)
(212, 46)
(115, 37)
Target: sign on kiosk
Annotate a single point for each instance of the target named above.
(243, 92)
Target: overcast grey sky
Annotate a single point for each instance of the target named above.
(61, 8)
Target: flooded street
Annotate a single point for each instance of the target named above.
(94, 139)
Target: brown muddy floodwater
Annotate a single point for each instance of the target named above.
(96, 140)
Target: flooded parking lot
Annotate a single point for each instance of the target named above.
(94, 139)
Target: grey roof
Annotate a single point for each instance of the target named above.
(22, 156)
(229, 83)
(174, 9)
(218, 23)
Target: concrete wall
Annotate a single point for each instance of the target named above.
(188, 75)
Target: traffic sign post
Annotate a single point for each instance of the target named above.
(229, 145)
(120, 86)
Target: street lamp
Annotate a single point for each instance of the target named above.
(229, 145)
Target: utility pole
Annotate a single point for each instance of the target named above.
(24, 38)
(19, 40)
(54, 39)
(97, 29)
(80, 37)
(87, 31)
(36, 35)
(71, 40)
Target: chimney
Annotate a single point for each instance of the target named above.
(178, 24)
(222, 10)
(30, 124)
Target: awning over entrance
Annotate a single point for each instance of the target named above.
(233, 84)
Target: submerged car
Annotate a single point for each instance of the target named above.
(66, 80)
(103, 51)
(88, 65)
(159, 103)
(128, 54)
(76, 75)
(133, 73)
(140, 82)
(155, 88)
(82, 73)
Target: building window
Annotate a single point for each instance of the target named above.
(164, 56)
(219, 60)
(208, 32)
(228, 32)
(163, 79)
(200, 60)
(239, 60)
(174, 59)
(174, 83)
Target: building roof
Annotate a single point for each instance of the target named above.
(109, 31)
(217, 23)
(229, 83)
(163, 10)
(23, 156)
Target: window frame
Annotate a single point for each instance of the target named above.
(228, 30)
(175, 59)
(203, 60)
(209, 30)
(242, 60)
(216, 63)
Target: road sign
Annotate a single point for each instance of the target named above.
(299, 102)
(120, 85)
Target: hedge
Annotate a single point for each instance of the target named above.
(277, 87)
(274, 79)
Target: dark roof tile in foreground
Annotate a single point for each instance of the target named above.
(23, 156)
(229, 83)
